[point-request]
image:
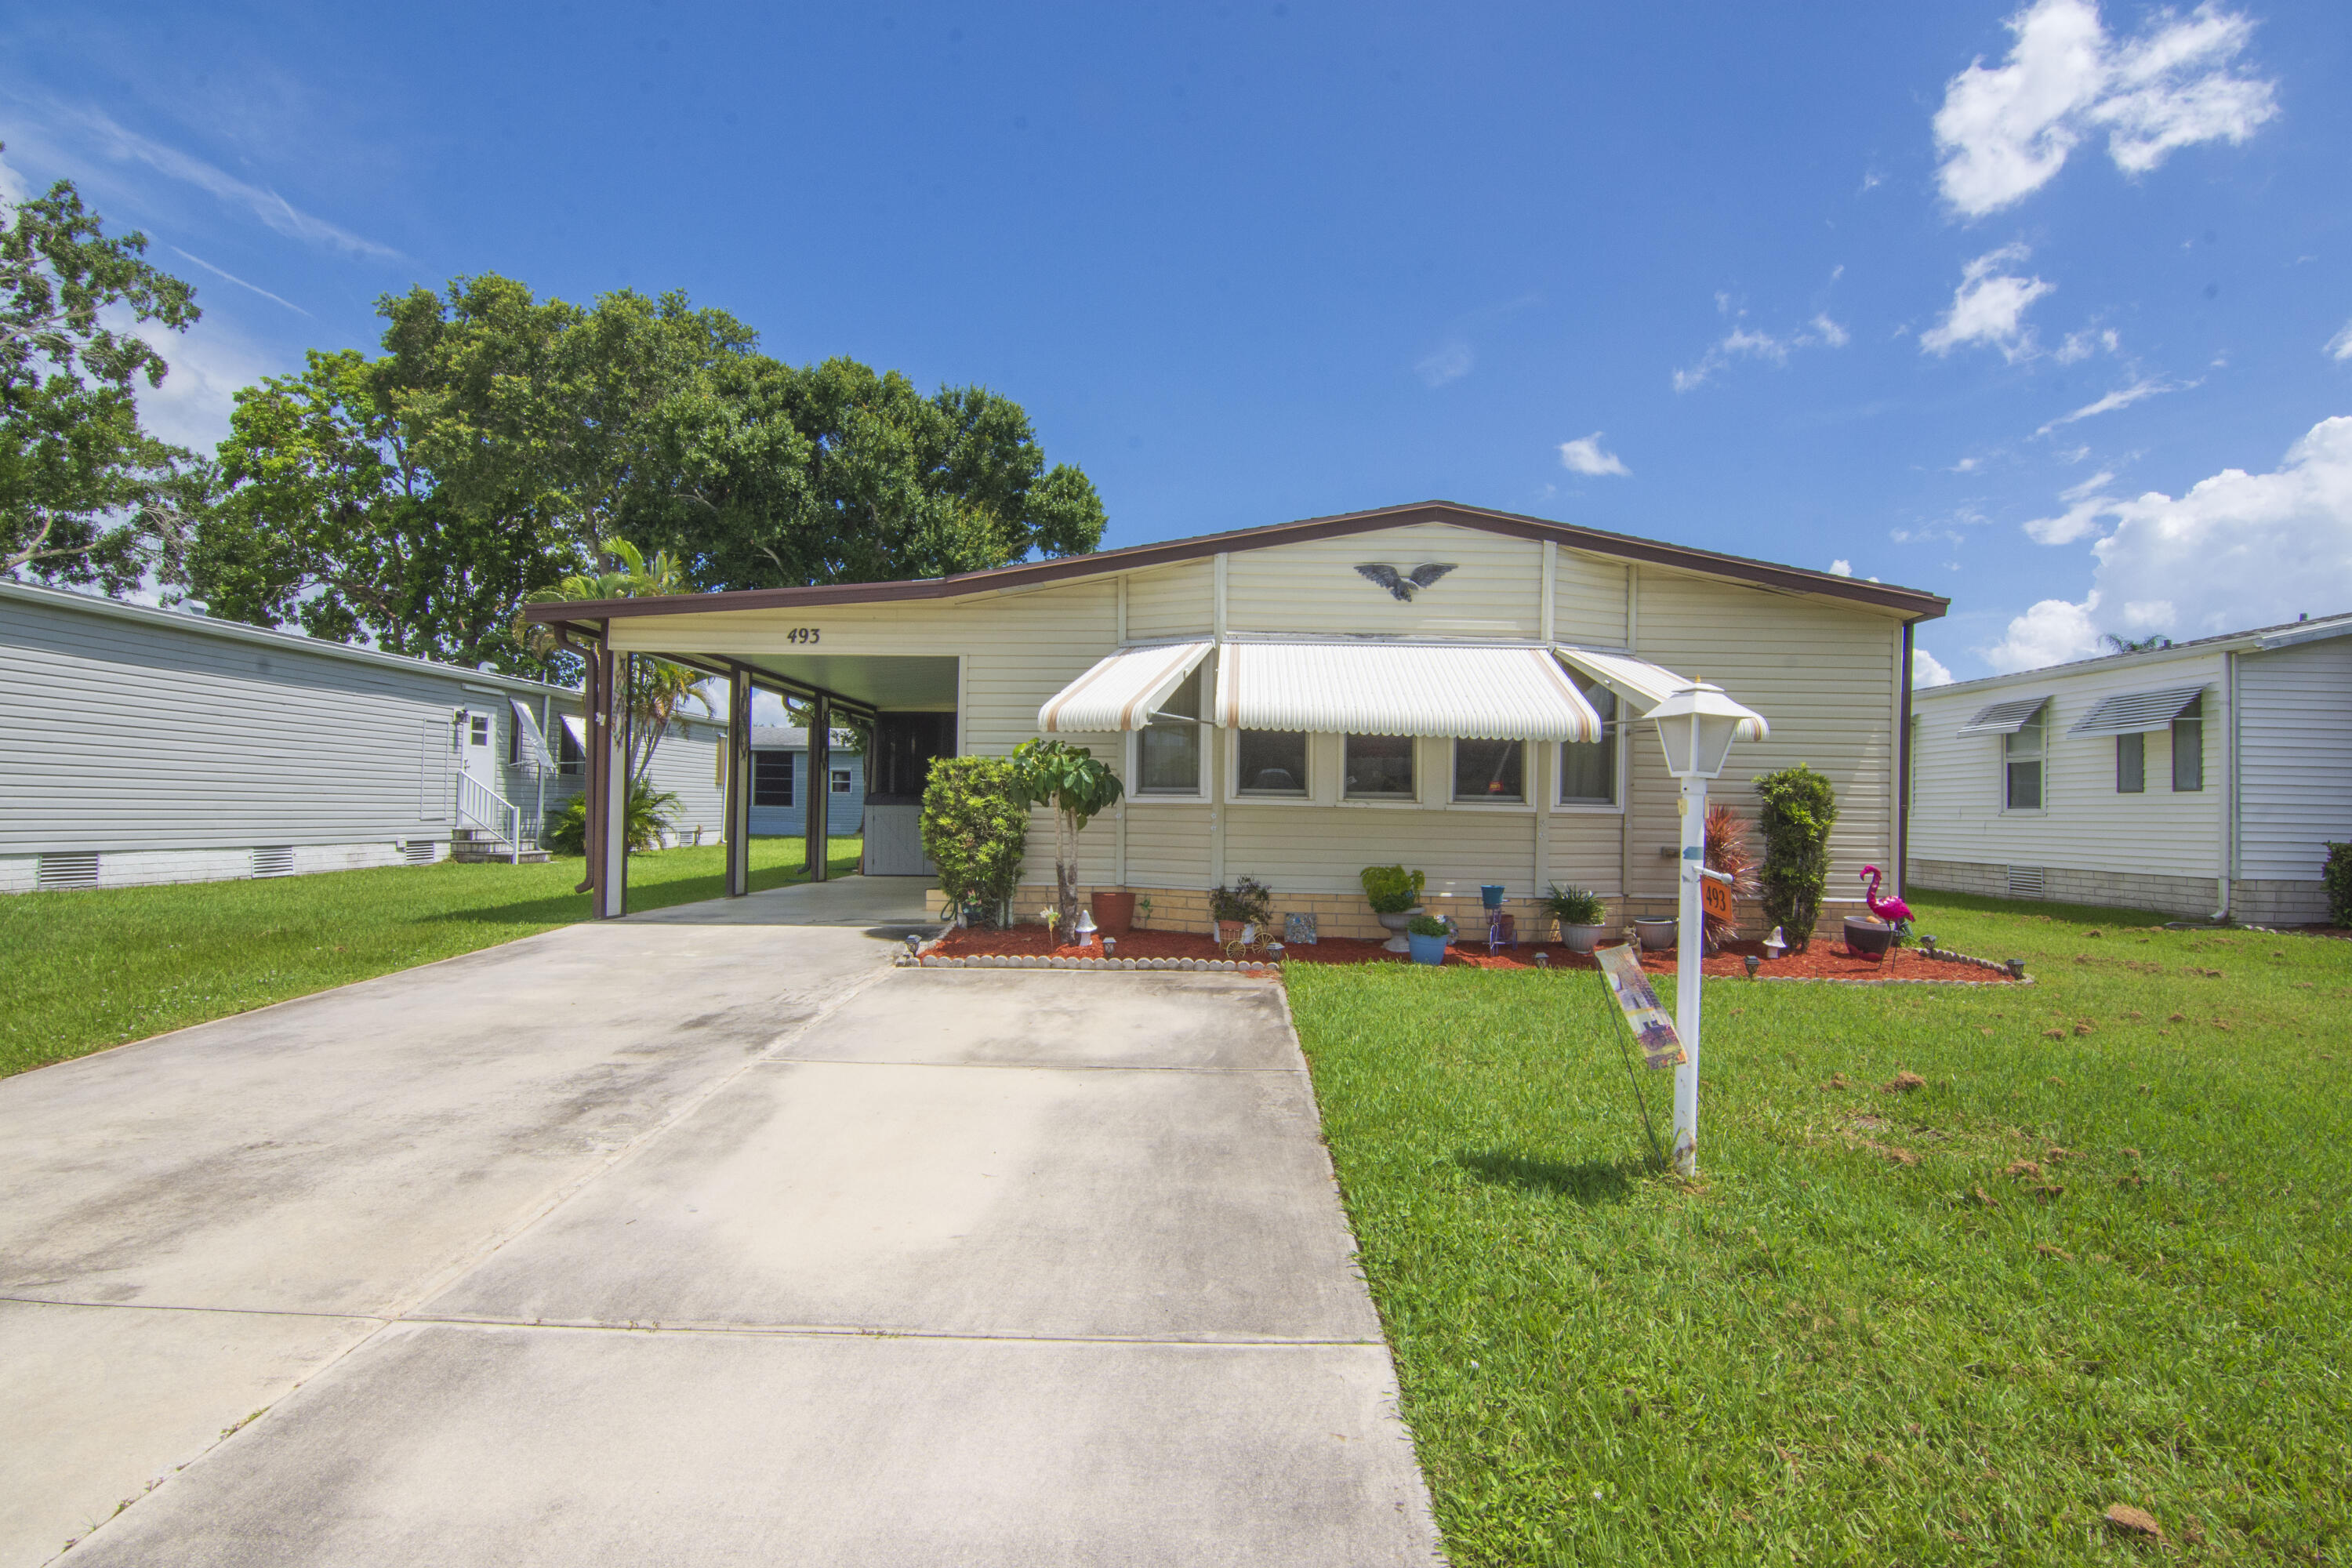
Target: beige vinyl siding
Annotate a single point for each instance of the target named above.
(1585, 851)
(1495, 589)
(1588, 599)
(2295, 740)
(121, 733)
(1312, 849)
(1825, 675)
(2084, 825)
(1171, 601)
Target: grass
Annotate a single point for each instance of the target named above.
(96, 967)
(2100, 1258)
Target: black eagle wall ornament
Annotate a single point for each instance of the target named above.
(1405, 585)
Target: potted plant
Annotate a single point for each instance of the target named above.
(1394, 894)
(1425, 939)
(1658, 932)
(1581, 916)
(1114, 911)
(1241, 911)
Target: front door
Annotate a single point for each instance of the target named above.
(478, 757)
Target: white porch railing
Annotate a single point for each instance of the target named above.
(493, 812)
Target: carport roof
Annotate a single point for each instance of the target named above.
(1910, 604)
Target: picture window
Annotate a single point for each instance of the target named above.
(1168, 750)
(1587, 769)
(1487, 770)
(1270, 762)
(1379, 767)
(772, 778)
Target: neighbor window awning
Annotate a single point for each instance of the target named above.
(1123, 692)
(2003, 718)
(577, 728)
(534, 744)
(1402, 688)
(2136, 713)
(1642, 683)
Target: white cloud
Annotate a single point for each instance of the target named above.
(2083, 345)
(2340, 345)
(272, 209)
(2077, 522)
(13, 189)
(1989, 306)
(2122, 397)
(241, 283)
(1585, 456)
(2239, 550)
(1927, 670)
(1966, 466)
(1448, 362)
(208, 363)
(2099, 480)
(1744, 343)
(2004, 132)
(1841, 568)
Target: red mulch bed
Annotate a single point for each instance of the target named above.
(1823, 961)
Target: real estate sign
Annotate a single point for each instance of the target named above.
(1661, 1046)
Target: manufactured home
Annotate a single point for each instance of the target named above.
(148, 745)
(2204, 779)
(1454, 689)
(781, 780)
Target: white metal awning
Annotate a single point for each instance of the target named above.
(1643, 684)
(1402, 688)
(2003, 718)
(2136, 713)
(1123, 692)
(534, 745)
(577, 728)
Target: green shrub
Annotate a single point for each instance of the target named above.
(1428, 925)
(1575, 906)
(2337, 876)
(975, 831)
(566, 832)
(1248, 900)
(1392, 889)
(1799, 809)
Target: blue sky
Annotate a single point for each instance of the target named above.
(2047, 309)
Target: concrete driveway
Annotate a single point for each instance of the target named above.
(702, 1239)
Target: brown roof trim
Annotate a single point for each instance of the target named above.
(1913, 603)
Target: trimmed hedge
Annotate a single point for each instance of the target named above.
(975, 831)
(1799, 809)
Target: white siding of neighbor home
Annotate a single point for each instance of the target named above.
(1824, 671)
(2294, 736)
(2084, 824)
(687, 763)
(124, 734)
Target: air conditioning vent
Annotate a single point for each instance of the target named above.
(76, 868)
(2026, 882)
(420, 851)
(276, 861)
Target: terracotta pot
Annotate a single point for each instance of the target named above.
(1114, 913)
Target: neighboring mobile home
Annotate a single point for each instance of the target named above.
(1453, 688)
(147, 745)
(2203, 780)
(780, 783)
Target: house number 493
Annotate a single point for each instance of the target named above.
(802, 634)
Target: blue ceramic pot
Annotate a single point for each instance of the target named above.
(1427, 949)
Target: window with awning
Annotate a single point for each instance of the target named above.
(2003, 718)
(1640, 683)
(1467, 691)
(529, 748)
(2138, 712)
(1123, 692)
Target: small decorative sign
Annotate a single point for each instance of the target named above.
(1716, 899)
(1298, 930)
(1661, 1046)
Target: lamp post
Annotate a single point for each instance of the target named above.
(1697, 725)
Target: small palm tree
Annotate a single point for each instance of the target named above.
(652, 689)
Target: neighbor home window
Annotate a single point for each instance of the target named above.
(1486, 770)
(2188, 749)
(1270, 761)
(570, 756)
(1168, 751)
(2021, 756)
(1379, 767)
(2131, 765)
(772, 778)
(481, 728)
(841, 780)
(1587, 769)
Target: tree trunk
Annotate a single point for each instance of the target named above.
(1066, 870)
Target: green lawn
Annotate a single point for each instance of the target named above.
(93, 968)
(1950, 1325)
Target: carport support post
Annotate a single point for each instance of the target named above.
(739, 781)
(612, 742)
(820, 785)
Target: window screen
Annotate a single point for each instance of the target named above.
(1379, 767)
(841, 780)
(2131, 763)
(1271, 762)
(2188, 749)
(1169, 749)
(772, 778)
(1587, 769)
(2021, 763)
(1486, 770)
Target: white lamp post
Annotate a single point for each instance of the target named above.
(1697, 725)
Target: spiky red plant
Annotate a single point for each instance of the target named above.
(1729, 851)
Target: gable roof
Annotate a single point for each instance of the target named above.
(2257, 639)
(1912, 604)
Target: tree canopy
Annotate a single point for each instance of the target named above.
(87, 495)
(418, 497)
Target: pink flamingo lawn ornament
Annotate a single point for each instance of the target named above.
(1893, 911)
